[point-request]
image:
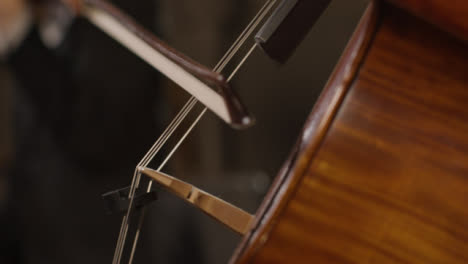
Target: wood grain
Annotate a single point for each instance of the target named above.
(451, 16)
(389, 181)
(316, 127)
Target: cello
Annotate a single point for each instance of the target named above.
(379, 172)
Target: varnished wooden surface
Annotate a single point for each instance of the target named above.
(315, 129)
(389, 182)
(451, 16)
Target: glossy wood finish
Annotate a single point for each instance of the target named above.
(388, 183)
(450, 16)
(316, 127)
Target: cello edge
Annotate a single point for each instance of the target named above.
(314, 130)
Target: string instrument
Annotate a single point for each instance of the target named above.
(379, 173)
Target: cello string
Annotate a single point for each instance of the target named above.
(242, 39)
(239, 65)
(143, 213)
(195, 122)
(222, 63)
(183, 113)
(181, 140)
(156, 146)
(224, 60)
(233, 49)
(247, 31)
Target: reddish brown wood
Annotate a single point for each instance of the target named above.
(317, 125)
(449, 15)
(385, 180)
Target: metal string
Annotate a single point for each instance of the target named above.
(174, 125)
(173, 150)
(146, 159)
(181, 140)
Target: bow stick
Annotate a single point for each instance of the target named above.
(126, 31)
(193, 77)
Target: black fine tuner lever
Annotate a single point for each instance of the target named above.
(117, 202)
(288, 25)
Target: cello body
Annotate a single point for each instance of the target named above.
(380, 171)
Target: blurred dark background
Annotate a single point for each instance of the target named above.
(75, 120)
